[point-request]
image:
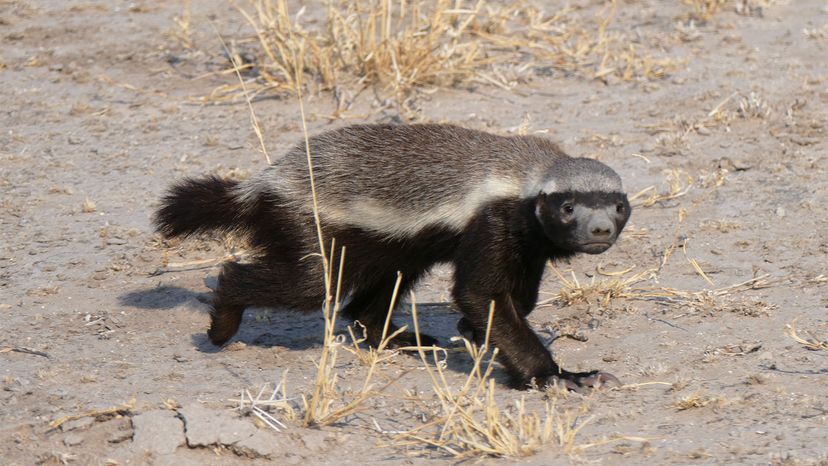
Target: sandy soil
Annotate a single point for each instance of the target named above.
(101, 112)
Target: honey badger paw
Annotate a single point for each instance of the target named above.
(582, 382)
(410, 339)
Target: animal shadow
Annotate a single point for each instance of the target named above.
(162, 297)
(300, 331)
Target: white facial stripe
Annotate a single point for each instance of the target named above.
(583, 184)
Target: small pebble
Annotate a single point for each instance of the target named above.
(72, 440)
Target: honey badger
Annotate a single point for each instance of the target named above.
(403, 198)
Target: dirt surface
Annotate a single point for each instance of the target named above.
(102, 110)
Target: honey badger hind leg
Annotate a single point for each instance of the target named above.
(369, 305)
(258, 284)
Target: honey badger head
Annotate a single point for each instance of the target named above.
(582, 206)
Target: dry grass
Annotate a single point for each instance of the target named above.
(88, 206)
(753, 106)
(319, 408)
(704, 10)
(691, 401)
(121, 409)
(326, 403)
(678, 182)
(470, 422)
(618, 285)
(399, 46)
(813, 343)
(254, 121)
(673, 135)
(627, 284)
(183, 34)
(261, 404)
(695, 264)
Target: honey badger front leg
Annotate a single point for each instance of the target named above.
(498, 261)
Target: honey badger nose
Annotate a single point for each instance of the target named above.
(601, 228)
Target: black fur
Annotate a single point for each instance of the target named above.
(197, 206)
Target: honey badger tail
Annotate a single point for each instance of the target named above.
(200, 205)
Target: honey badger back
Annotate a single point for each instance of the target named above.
(402, 198)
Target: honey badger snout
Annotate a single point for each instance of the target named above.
(598, 232)
(601, 227)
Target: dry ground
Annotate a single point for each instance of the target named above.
(103, 107)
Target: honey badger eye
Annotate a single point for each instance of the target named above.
(568, 208)
(620, 207)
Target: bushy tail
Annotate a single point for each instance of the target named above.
(200, 205)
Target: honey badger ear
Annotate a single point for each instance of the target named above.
(540, 206)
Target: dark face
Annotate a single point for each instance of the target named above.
(583, 222)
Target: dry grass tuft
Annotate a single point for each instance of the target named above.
(470, 422)
(628, 285)
(261, 405)
(756, 379)
(679, 183)
(753, 106)
(183, 34)
(721, 226)
(813, 343)
(618, 285)
(319, 408)
(88, 206)
(694, 400)
(399, 46)
(704, 10)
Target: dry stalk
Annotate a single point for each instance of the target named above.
(821, 278)
(198, 264)
(124, 408)
(319, 409)
(254, 122)
(260, 405)
(324, 390)
(813, 343)
(695, 264)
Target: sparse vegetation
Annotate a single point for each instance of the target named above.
(471, 422)
(399, 46)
